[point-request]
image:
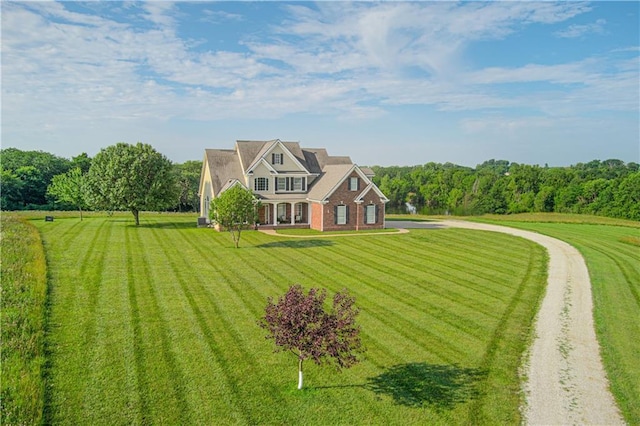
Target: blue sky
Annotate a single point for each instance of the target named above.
(387, 83)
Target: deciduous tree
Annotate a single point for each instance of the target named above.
(132, 177)
(70, 187)
(35, 169)
(188, 176)
(299, 323)
(234, 210)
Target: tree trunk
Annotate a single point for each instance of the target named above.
(136, 215)
(235, 235)
(299, 373)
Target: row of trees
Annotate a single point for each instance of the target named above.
(39, 180)
(36, 180)
(607, 188)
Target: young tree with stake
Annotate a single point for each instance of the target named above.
(299, 323)
(235, 209)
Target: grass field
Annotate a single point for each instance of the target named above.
(22, 316)
(611, 249)
(157, 324)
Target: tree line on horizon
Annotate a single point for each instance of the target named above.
(606, 188)
(29, 178)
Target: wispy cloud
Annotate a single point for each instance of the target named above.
(575, 31)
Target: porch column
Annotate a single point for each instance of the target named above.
(275, 214)
(293, 213)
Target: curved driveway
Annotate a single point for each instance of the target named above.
(565, 380)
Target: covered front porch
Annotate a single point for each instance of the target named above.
(284, 214)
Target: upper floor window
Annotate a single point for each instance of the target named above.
(261, 184)
(277, 158)
(354, 184)
(291, 184)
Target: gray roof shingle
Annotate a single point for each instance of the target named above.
(229, 164)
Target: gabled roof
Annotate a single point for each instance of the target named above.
(252, 156)
(368, 171)
(317, 159)
(372, 187)
(248, 151)
(230, 183)
(223, 166)
(332, 176)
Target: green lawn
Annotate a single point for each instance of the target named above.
(611, 249)
(157, 324)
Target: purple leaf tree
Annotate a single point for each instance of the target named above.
(299, 323)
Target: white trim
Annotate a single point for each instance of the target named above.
(269, 150)
(231, 183)
(266, 163)
(345, 176)
(369, 187)
(311, 200)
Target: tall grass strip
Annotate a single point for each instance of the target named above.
(23, 307)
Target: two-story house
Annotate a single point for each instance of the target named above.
(297, 187)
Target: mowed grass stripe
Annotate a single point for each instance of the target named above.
(139, 395)
(433, 268)
(423, 275)
(73, 332)
(233, 320)
(213, 328)
(72, 316)
(401, 319)
(196, 341)
(503, 354)
(443, 244)
(107, 398)
(428, 288)
(389, 287)
(155, 358)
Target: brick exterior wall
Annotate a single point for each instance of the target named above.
(355, 220)
(316, 216)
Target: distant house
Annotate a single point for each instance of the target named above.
(298, 187)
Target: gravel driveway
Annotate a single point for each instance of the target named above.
(565, 380)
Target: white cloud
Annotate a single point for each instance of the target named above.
(575, 31)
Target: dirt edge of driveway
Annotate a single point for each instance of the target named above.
(564, 379)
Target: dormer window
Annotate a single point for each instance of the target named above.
(277, 158)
